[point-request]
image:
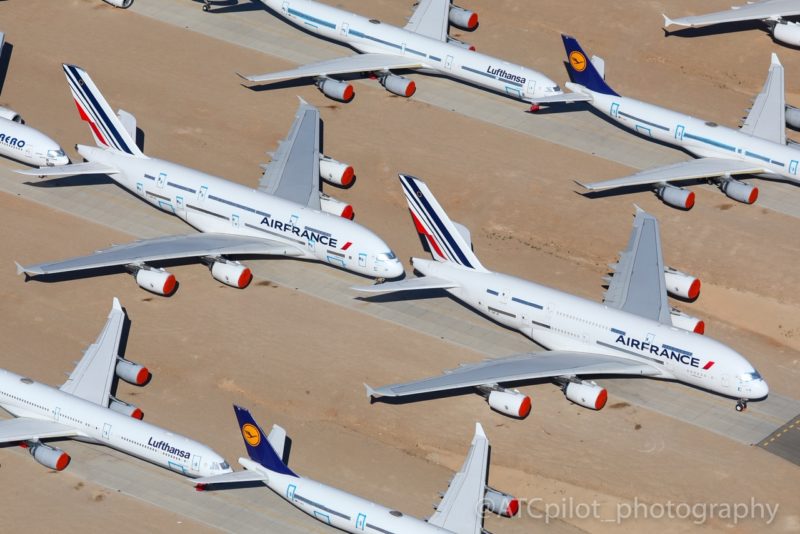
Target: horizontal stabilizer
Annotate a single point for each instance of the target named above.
(566, 98)
(73, 169)
(236, 477)
(410, 284)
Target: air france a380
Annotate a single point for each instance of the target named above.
(634, 332)
(84, 408)
(287, 216)
(423, 45)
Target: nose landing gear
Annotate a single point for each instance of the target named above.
(741, 405)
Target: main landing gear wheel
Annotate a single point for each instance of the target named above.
(206, 6)
(741, 406)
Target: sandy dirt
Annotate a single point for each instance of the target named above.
(300, 362)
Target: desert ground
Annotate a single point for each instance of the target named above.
(300, 361)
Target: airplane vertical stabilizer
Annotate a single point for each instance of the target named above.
(258, 445)
(583, 71)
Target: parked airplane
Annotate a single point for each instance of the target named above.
(769, 11)
(286, 216)
(759, 148)
(423, 44)
(634, 332)
(84, 408)
(460, 510)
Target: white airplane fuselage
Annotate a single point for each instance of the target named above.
(338, 508)
(23, 397)
(213, 204)
(699, 137)
(25, 144)
(561, 321)
(372, 36)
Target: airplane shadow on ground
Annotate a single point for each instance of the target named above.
(73, 181)
(5, 58)
(231, 6)
(717, 29)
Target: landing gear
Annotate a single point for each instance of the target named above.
(206, 5)
(741, 405)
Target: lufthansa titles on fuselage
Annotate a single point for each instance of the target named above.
(502, 73)
(166, 447)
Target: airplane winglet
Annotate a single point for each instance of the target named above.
(774, 59)
(116, 305)
(371, 393)
(667, 21)
(20, 268)
(479, 430)
(583, 185)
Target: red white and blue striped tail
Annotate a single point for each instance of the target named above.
(107, 129)
(444, 239)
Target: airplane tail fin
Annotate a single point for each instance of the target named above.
(582, 70)
(447, 240)
(259, 446)
(108, 129)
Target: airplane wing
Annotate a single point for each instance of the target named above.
(92, 377)
(73, 169)
(755, 11)
(525, 366)
(637, 285)
(685, 170)
(767, 117)
(430, 18)
(293, 173)
(230, 478)
(460, 509)
(26, 428)
(410, 284)
(165, 248)
(342, 65)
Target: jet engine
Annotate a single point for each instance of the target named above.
(787, 32)
(681, 284)
(124, 4)
(462, 44)
(500, 503)
(676, 196)
(463, 18)
(793, 117)
(739, 191)
(157, 281)
(126, 409)
(231, 273)
(341, 91)
(49, 457)
(687, 322)
(335, 207)
(11, 115)
(335, 172)
(132, 373)
(510, 402)
(398, 85)
(587, 394)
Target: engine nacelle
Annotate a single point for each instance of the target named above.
(341, 91)
(510, 402)
(335, 207)
(500, 503)
(462, 44)
(681, 284)
(335, 172)
(126, 409)
(49, 457)
(687, 322)
(793, 117)
(10, 114)
(132, 373)
(587, 394)
(463, 18)
(676, 197)
(740, 191)
(157, 281)
(231, 273)
(124, 4)
(398, 85)
(787, 32)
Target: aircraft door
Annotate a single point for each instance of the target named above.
(180, 203)
(140, 188)
(362, 260)
(793, 167)
(106, 431)
(202, 193)
(530, 89)
(345, 28)
(56, 413)
(615, 110)
(290, 489)
(361, 520)
(196, 462)
(726, 381)
(448, 62)
(235, 220)
(679, 132)
(161, 180)
(285, 8)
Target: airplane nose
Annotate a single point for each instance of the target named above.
(394, 269)
(760, 389)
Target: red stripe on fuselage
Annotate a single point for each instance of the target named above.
(707, 366)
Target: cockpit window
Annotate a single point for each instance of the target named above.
(385, 256)
(749, 377)
(55, 153)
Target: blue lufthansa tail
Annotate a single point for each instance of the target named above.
(258, 447)
(581, 69)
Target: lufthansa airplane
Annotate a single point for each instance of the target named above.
(772, 12)
(460, 511)
(634, 332)
(84, 408)
(759, 147)
(287, 215)
(423, 45)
